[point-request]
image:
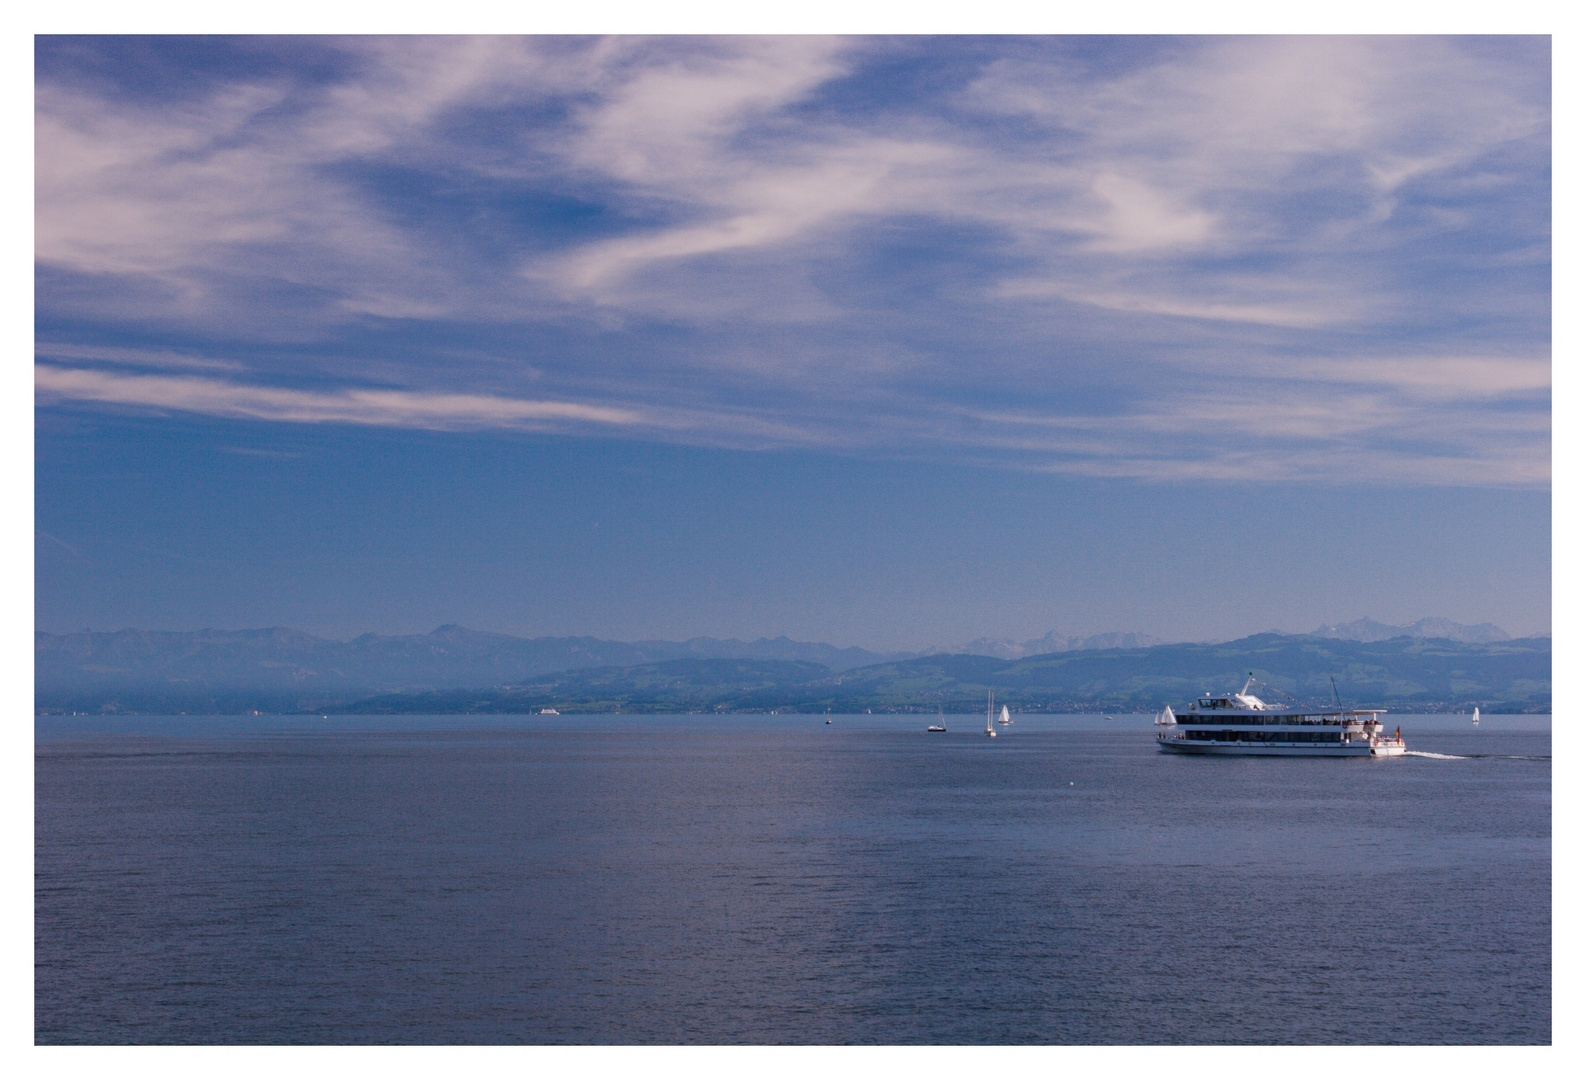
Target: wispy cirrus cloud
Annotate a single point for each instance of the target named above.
(430, 410)
(140, 358)
(1469, 378)
(385, 408)
(1201, 154)
(818, 241)
(1441, 420)
(1301, 313)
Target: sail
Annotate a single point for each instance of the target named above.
(1004, 718)
(1475, 715)
(1166, 717)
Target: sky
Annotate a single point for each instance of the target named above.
(882, 342)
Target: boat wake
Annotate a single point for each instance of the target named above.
(1472, 757)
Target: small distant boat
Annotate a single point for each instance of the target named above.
(1106, 718)
(941, 724)
(991, 732)
(1165, 718)
(1475, 715)
(549, 712)
(1004, 718)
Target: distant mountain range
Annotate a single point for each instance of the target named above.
(1371, 630)
(1405, 674)
(458, 670)
(225, 662)
(1359, 630)
(1053, 642)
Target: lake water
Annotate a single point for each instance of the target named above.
(782, 880)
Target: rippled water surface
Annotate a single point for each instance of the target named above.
(781, 880)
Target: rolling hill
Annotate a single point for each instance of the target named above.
(460, 671)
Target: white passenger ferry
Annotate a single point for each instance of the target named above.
(1244, 724)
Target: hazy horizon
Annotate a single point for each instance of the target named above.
(751, 639)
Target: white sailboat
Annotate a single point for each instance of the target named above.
(1004, 718)
(1165, 718)
(991, 732)
(1475, 715)
(941, 721)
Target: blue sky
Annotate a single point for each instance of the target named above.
(890, 342)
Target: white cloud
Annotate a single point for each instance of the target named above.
(1314, 421)
(1140, 218)
(386, 408)
(772, 207)
(1291, 313)
(1252, 212)
(243, 184)
(1197, 154)
(1468, 377)
(664, 113)
(143, 358)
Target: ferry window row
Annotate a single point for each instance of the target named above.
(1266, 736)
(1256, 721)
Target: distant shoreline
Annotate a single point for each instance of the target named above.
(466, 674)
(1445, 709)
